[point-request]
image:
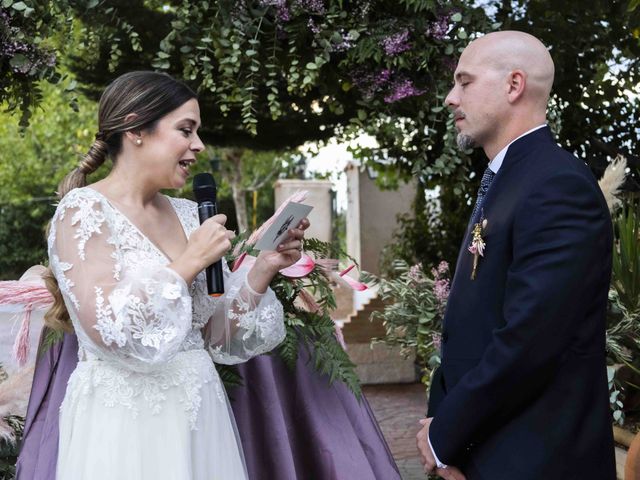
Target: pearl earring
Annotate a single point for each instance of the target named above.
(138, 141)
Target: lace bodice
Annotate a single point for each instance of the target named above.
(129, 308)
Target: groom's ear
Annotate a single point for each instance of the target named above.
(516, 83)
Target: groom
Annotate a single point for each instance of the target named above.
(522, 390)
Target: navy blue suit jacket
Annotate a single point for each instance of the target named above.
(522, 389)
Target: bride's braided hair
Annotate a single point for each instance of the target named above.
(149, 96)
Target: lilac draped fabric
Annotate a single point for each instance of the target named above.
(39, 450)
(293, 424)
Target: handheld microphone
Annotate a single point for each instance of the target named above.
(204, 189)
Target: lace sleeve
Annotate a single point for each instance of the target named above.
(244, 323)
(138, 312)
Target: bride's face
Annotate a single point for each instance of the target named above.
(170, 149)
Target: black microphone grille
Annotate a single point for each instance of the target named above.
(204, 187)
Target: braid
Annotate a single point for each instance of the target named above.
(91, 161)
(95, 157)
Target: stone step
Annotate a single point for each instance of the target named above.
(359, 328)
(379, 363)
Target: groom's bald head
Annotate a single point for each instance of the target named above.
(502, 85)
(511, 50)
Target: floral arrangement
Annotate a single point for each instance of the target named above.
(415, 306)
(305, 290)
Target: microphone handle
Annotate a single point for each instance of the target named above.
(215, 280)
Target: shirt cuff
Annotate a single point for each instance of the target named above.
(439, 464)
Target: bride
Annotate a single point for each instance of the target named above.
(145, 401)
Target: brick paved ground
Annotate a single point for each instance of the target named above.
(398, 409)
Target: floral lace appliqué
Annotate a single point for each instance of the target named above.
(118, 386)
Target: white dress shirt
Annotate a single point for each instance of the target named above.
(494, 166)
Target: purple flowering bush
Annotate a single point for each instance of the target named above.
(340, 68)
(24, 60)
(416, 301)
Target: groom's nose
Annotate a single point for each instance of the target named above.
(452, 101)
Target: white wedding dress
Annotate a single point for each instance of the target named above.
(145, 401)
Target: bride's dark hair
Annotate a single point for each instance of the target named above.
(147, 95)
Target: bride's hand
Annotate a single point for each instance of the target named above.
(288, 252)
(269, 263)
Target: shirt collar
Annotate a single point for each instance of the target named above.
(496, 163)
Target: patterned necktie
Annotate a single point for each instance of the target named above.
(487, 178)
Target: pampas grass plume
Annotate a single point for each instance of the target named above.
(612, 180)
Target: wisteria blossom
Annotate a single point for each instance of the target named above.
(402, 89)
(415, 273)
(315, 29)
(396, 43)
(312, 6)
(442, 269)
(371, 83)
(436, 338)
(31, 57)
(345, 44)
(282, 11)
(441, 285)
(438, 29)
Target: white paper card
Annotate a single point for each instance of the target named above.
(289, 218)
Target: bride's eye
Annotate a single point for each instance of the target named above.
(186, 131)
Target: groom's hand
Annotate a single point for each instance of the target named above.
(427, 458)
(450, 473)
(422, 441)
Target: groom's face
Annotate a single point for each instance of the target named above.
(475, 99)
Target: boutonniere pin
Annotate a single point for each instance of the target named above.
(477, 245)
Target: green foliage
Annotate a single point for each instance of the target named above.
(414, 311)
(229, 375)
(438, 212)
(9, 451)
(623, 323)
(623, 329)
(33, 35)
(274, 75)
(31, 166)
(615, 397)
(296, 71)
(22, 237)
(626, 257)
(314, 330)
(50, 338)
(597, 72)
